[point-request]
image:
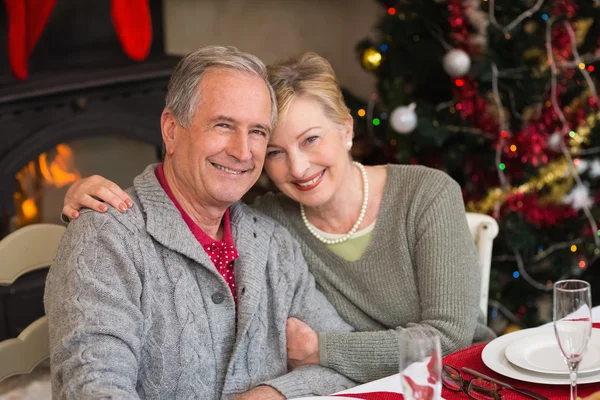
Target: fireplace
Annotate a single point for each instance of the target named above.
(82, 96)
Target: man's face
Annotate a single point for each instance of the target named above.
(218, 159)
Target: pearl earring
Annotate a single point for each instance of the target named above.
(349, 144)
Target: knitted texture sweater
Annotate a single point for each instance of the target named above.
(136, 309)
(419, 274)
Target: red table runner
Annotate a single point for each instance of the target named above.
(471, 358)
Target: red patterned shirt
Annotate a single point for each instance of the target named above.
(222, 253)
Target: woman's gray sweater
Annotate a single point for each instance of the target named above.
(418, 275)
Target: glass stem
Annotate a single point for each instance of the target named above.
(573, 366)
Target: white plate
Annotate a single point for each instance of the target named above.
(493, 356)
(540, 353)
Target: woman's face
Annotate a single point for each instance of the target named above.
(307, 157)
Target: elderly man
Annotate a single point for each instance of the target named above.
(186, 296)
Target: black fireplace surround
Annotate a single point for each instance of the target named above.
(80, 85)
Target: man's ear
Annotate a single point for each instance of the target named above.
(168, 126)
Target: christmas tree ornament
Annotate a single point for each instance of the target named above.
(579, 197)
(555, 141)
(371, 59)
(530, 27)
(595, 168)
(404, 119)
(457, 63)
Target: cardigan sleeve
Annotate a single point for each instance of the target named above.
(447, 276)
(92, 301)
(310, 306)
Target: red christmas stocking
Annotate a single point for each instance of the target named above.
(17, 38)
(133, 25)
(37, 14)
(26, 22)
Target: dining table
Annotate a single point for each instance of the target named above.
(479, 359)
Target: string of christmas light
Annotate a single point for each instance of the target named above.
(543, 254)
(525, 275)
(504, 132)
(581, 65)
(506, 29)
(565, 126)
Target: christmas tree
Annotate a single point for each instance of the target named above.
(502, 95)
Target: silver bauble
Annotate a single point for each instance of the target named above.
(404, 119)
(457, 63)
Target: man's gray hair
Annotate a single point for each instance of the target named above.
(183, 95)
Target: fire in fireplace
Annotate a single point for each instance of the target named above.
(56, 170)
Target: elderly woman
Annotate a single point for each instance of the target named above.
(388, 245)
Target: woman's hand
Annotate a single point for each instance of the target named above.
(302, 344)
(89, 192)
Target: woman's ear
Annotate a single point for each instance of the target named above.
(349, 129)
(168, 126)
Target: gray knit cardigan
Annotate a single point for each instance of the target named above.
(136, 309)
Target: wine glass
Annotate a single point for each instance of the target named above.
(572, 323)
(420, 367)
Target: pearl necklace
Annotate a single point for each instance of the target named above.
(361, 215)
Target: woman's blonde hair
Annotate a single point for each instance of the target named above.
(308, 75)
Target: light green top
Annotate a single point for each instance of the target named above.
(419, 274)
(354, 247)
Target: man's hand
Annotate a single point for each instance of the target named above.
(302, 344)
(260, 393)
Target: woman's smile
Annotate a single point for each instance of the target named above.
(310, 183)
